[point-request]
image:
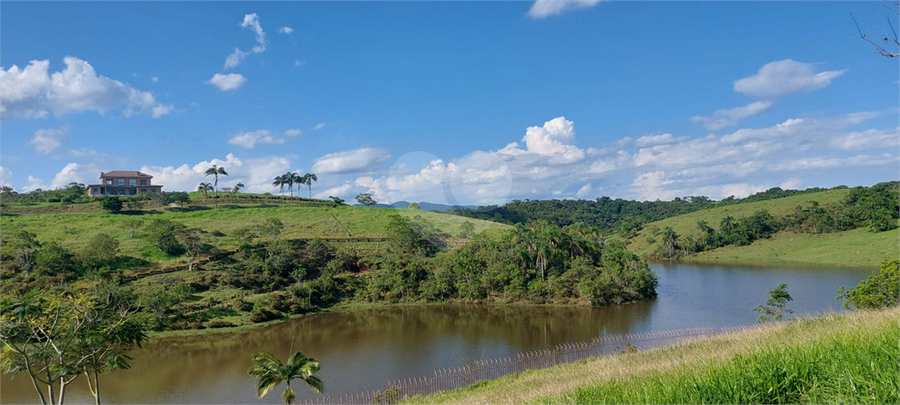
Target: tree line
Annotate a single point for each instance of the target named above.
(624, 216)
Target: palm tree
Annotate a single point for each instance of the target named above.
(290, 179)
(237, 188)
(298, 180)
(205, 188)
(269, 372)
(216, 171)
(308, 178)
(279, 181)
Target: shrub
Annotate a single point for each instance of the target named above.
(880, 290)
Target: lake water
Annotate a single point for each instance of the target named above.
(362, 350)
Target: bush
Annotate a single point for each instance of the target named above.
(880, 290)
(263, 315)
(111, 204)
(219, 323)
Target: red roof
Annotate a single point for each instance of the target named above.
(124, 173)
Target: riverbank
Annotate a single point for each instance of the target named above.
(849, 357)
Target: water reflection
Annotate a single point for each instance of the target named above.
(363, 349)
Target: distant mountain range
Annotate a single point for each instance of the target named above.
(424, 206)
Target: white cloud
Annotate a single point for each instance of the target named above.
(584, 191)
(285, 30)
(726, 118)
(351, 161)
(293, 132)
(256, 174)
(231, 81)
(343, 191)
(74, 172)
(298, 62)
(252, 21)
(5, 176)
(248, 140)
(545, 8)
(47, 140)
(235, 58)
(33, 92)
(34, 183)
(320, 125)
(553, 140)
(154, 79)
(784, 77)
(870, 138)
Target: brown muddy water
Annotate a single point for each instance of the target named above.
(362, 350)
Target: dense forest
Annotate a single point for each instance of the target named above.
(535, 263)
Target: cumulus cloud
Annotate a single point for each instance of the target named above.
(256, 174)
(34, 183)
(47, 140)
(248, 140)
(726, 118)
(285, 30)
(351, 161)
(545, 8)
(553, 139)
(231, 81)
(33, 92)
(5, 176)
(293, 132)
(77, 173)
(785, 77)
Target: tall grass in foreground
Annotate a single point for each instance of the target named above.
(851, 357)
(860, 368)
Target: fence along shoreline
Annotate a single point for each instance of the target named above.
(490, 369)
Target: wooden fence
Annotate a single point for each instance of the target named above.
(480, 370)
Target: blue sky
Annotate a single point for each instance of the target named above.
(451, 102)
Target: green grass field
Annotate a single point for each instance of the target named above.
(74, 230)
(837, 358)
(855, 248)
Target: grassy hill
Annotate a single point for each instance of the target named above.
(74, 230)
(858, 247)
(838, 358)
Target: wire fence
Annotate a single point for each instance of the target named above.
(481, 370)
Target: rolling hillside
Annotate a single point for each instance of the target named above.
(73, 230)
(859, 247)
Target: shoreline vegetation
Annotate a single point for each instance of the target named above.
(847, 358)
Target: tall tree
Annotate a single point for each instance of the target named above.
(298, 180)
(56, 336)
(308, 179)
(215, 172)
(237, 188)
(280, 181)
(204, 188)
(269, 372)
(289, 179)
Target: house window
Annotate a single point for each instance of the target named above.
(153, 190)
(132, 182)
(143, 190)
(108, 182)
(95, 190)
(120, 182)
(143, 182)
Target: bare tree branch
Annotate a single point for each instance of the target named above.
(880, 49)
